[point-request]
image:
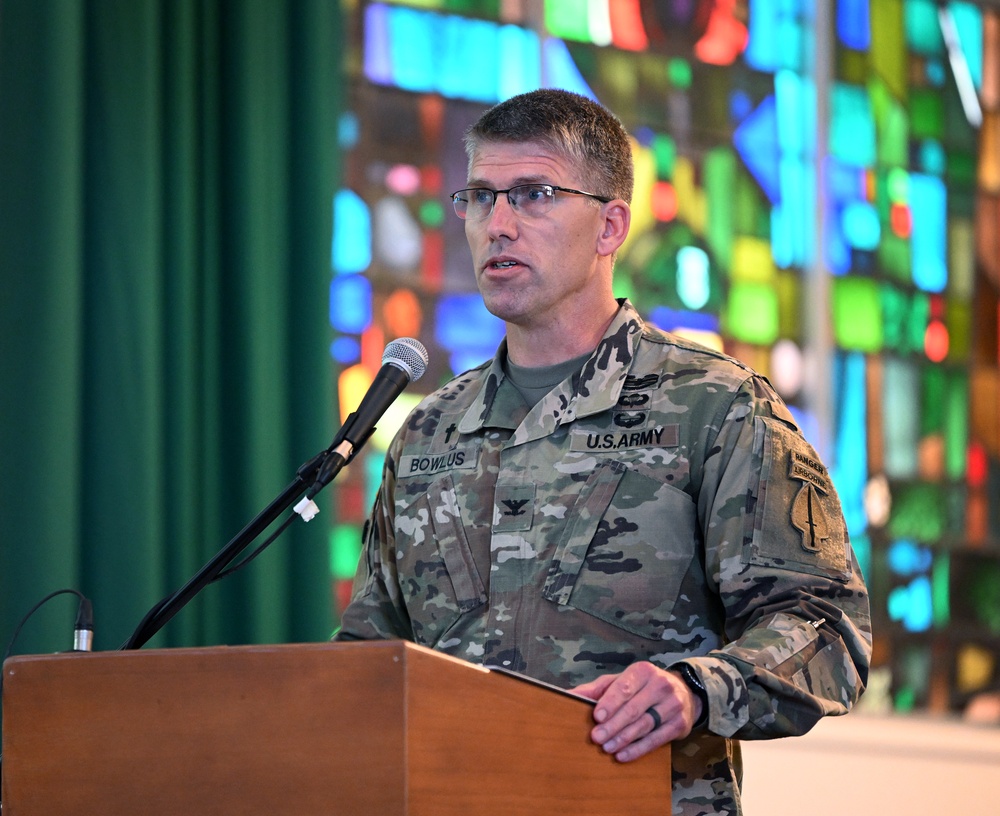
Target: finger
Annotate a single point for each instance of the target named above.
(595, 688)
(617, 700)
(612, 738)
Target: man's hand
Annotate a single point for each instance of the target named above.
(625, 727)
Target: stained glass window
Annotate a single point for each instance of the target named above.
(845, 212)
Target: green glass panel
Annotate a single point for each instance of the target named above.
(956, 426)
(664, 154)
(897, 185)
(926, 114)
(958, 319)
(432, 213)
(789, 304)
(918, 512)
(894, 255)
(895, 305)
(911, 674)
(900, 418)
(679, 73)
(852, 66)
(933, 386)
(960, 169)
(345, 548)
(916, 323)
(888, 52)
(718, 173)
(751, 214)
(618, 76)
(940, 590)
(857, 314)
(752, 313)
(623, 288)
(892, 126)
(568, 19)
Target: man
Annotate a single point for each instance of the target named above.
(605, 506)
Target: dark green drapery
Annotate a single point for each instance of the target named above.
(167, 170)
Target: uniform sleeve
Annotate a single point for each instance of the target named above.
(376, 611)
(797, 621)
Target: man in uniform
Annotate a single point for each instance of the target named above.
(604, 506)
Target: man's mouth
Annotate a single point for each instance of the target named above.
(503, 264)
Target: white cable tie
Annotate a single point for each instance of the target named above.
(307, 509)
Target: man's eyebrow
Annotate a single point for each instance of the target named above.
(482, 183)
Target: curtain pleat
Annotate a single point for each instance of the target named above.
(166, 177)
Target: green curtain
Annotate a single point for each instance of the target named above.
(167, 169)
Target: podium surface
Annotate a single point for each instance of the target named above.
(383, 727)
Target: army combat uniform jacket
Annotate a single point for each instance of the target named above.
(660, 504)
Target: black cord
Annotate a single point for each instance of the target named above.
(258, 551)
(32, 611)
(17, 631)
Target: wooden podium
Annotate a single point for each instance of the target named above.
(359, 729)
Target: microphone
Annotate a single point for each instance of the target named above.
(403, 361)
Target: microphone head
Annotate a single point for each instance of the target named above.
(407, 354)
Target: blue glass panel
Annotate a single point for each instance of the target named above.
(852, 23)
(522, 62)
(350, 303)
(921, 26)
(776, 35)
(912, 605)
(795, 108)
(928, 242)
(425, 52)
(849, 467)
(693, 280)
(352, 234)
(809, 425)
(346, 350)
(908, 558)
(756, 140)
(740, 106)
(461, 70)
(561, 71)
(861, 225)
(670, 319)
(931, 157)
(412, 46)
(852, 126)
(378, 56)
(969, 24)
(794, 215)
(467, 330)
(348, 130)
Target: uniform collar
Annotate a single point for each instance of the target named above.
(593, 389)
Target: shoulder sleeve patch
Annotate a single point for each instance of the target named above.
(798, 522)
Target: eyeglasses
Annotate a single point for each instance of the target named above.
(476, 203)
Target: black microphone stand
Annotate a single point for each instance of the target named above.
(311, 476)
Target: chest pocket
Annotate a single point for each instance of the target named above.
(442, 582)
(624, 557)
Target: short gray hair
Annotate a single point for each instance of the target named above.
(571, 125)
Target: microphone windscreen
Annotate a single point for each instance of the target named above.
(407, 354)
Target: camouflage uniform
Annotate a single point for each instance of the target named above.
(660, 505)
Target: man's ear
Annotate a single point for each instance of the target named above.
(617, 218)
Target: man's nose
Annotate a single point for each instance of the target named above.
(503, 220)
